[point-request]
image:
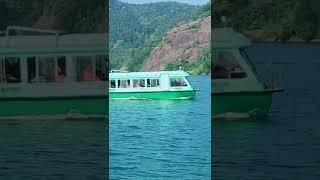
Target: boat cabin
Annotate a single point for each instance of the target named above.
(49, 63)
(148, 81)
(232, 70)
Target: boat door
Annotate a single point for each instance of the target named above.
(164, 82)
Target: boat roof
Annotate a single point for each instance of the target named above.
(154, 74)
(34, 44)
(227, 38)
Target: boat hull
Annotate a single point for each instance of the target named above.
(28, 108)
(153, 95)
(241, 105)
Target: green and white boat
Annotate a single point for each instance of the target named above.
(150, 85)
(46, 74)
(236, 89)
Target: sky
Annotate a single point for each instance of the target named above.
(193, 2)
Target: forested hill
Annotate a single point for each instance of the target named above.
(67, 15)
(187, 46)
(135, 29)
(271, 19)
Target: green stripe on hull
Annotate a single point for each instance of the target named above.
(97, 106)
(252, 103)
(154, 95)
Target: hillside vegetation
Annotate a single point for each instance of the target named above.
(136, 29)
(186, 46)
(67, 15)
(271, 19)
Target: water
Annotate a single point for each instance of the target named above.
(167, 139)
(286, 144)
(53, 149)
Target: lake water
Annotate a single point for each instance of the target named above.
(161, 139)
(53, 149)
(286, 144)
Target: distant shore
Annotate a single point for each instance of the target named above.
(293, 40)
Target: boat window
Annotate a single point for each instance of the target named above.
(152, 82)
(127, 84)
(246, 57)
(178, 82)
(61, 69)
(226, 66)
(31, 62)
(112, 84)
(84, 68)
(46, 69)
(124, 83)
(101, 68)
(91, 68)
(10, 70)
(138, 83)
(41, 70)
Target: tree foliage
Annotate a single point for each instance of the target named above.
(136, 29)
(266, 19)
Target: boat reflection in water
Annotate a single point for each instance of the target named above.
(237, 89)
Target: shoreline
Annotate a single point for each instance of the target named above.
(287, 41)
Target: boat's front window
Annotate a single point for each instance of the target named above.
(226, 66)
(10, 70)
(178, 81)
(246, 57)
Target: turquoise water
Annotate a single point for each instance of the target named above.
(167, 139)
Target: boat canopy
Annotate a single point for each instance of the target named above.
(156, 74)
(27, 41)
(227, 38)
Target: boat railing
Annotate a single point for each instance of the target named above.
(118, 71)
(270, 76)
(19, 31)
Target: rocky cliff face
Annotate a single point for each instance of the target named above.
(184, 42)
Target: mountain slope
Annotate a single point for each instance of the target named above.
(135, 29)
(183, 46)
(67, 15)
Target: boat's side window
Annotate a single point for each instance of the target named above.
(91, 68)
(61, 69)
(101, 68)
(128, 85)
(124, 83)
(41, 70)
(10, 70)
(84, 68)
(138, 83)
(31, 62)
(112, 84)
(46, 69)
(177, 82)
(226, 66)
(152, 82)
